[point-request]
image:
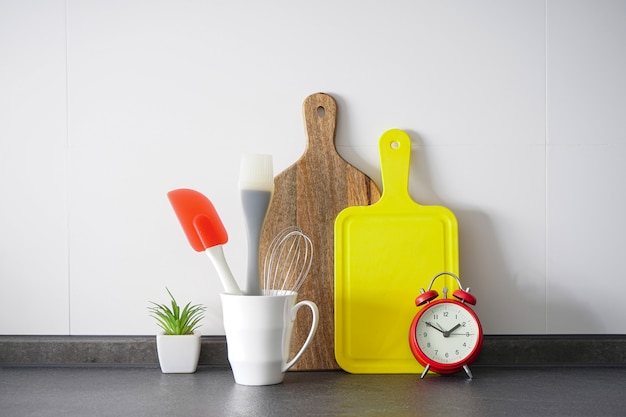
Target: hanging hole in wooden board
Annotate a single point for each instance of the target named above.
(321, 111)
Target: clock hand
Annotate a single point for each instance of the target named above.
(434, 327)
(449, 332)
(463, 334)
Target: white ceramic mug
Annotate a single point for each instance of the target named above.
(258, 334)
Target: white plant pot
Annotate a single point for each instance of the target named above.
(178, 354)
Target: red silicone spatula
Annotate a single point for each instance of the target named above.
(204, 230)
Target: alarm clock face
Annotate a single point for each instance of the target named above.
(448, 334)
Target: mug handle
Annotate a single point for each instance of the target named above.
(316, 314)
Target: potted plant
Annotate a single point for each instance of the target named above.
(178, 345)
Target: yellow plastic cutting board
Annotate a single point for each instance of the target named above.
(384, 254)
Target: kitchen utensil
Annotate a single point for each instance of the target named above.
(288, 260)
(384, 254)
(256, 184)
(309, 194)
(204, 230)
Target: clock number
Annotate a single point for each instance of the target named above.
(445, 314)
(425, 334)
(457, 352)
(435, 316)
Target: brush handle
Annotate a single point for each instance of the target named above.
(253, 280)
(216, 255)
(255, 204)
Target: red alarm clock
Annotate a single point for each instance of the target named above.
(446, 335)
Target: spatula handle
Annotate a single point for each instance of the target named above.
(395, 159)
(216, 254)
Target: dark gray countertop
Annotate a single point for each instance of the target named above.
(132, 391)
(119, 376)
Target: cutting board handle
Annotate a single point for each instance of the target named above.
(320, 118)
(395, 159)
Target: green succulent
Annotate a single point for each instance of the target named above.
(175, 321)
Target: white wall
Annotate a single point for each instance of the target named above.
(516, 110)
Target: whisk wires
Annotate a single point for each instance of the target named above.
(288, 260)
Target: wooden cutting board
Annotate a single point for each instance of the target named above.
(385, 253)
(309, 194)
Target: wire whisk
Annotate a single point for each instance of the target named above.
(288, 260)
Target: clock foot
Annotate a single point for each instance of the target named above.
(468, 372)
(425, 371)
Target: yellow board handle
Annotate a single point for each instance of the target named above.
(395, 161)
